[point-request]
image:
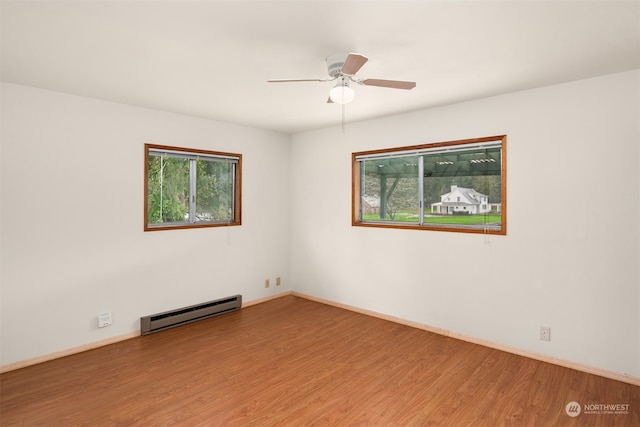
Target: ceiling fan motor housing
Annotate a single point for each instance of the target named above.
(335, 63)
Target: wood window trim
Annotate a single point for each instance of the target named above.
(237, 211)
(356, 190)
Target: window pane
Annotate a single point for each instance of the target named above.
(389, 189)
(214, 190)
(168, 190)
(191, 188)
(447, 186)
(464, 189)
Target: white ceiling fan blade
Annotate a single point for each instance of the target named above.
(394, 84)
(296, 80)
(353, 63)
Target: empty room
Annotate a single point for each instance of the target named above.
(253, 213)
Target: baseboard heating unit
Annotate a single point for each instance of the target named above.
(171, 319)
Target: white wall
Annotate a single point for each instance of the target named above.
(575, 270)
(72, 235)
(72, 244)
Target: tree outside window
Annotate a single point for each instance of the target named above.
(187, 188)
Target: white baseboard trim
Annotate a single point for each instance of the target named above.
(530, 354)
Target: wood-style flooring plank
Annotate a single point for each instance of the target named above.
(294, 362)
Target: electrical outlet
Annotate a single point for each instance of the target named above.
(104, 319)
(278, 281)
(545, 333)
(266, 283)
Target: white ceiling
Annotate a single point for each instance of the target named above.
(212, 58)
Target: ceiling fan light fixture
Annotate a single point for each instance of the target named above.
(342, 93)
(343, 68)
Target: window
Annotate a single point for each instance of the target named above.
(186, 188)
(446, 186)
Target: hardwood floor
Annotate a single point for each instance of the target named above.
(295, 362)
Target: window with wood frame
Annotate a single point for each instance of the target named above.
(190, 188)
(446, 186)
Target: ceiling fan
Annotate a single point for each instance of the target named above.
(342, 68)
